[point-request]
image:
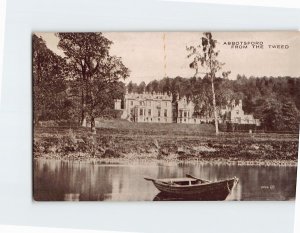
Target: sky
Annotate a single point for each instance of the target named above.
(151, 55)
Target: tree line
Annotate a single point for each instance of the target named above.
(273, 100)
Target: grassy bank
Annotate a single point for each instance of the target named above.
(118, 140)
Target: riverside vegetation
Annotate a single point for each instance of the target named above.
(122, 141)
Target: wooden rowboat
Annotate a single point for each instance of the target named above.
(193, 188)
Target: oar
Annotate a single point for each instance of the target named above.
(196, 178)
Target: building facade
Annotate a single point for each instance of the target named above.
(158, 108)
(234, 113)
(146, 107)
(185, 112)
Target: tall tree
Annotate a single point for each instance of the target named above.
(289, 116)
(96, 71)
(49, 83)
(272, 115)
(155, 86)
(130, 87)
(167, 86)
(205, 57)
(141, 87)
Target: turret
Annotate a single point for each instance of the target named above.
(233, 103)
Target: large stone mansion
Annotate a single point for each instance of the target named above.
(159, 108)
(234, 113)
(147, 107)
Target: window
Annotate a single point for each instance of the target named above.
(158, 113)
(131, 102)
(141, 112)
(158, 119)
(237, 112)
(166, 104)
(184, 114)
(165, 113)
(149, 113)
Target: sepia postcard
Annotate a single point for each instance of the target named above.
(165, 116)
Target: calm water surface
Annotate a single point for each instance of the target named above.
(56, 180)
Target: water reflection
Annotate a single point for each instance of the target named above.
(165, 197)
(56, 180)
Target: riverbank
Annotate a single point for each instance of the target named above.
(167, 162)
(123, 142)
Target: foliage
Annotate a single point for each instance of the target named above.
(96, 73)
(49, 84)
(271, 99)
(289, 116)
(205, 57)
(276, 115)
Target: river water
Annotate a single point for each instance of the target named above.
(56, 180)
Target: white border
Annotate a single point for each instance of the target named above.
(15, 120)
(28, 229)
(2, 31)
(265, 3)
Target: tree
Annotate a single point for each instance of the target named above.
(155, 86)
(49, 85)
(205, 58)
(272, 119)
(167, 86)
(141, 88)
(270, 114)
(289, 116)
(130, 87)
(95, 70)
(105, 87)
